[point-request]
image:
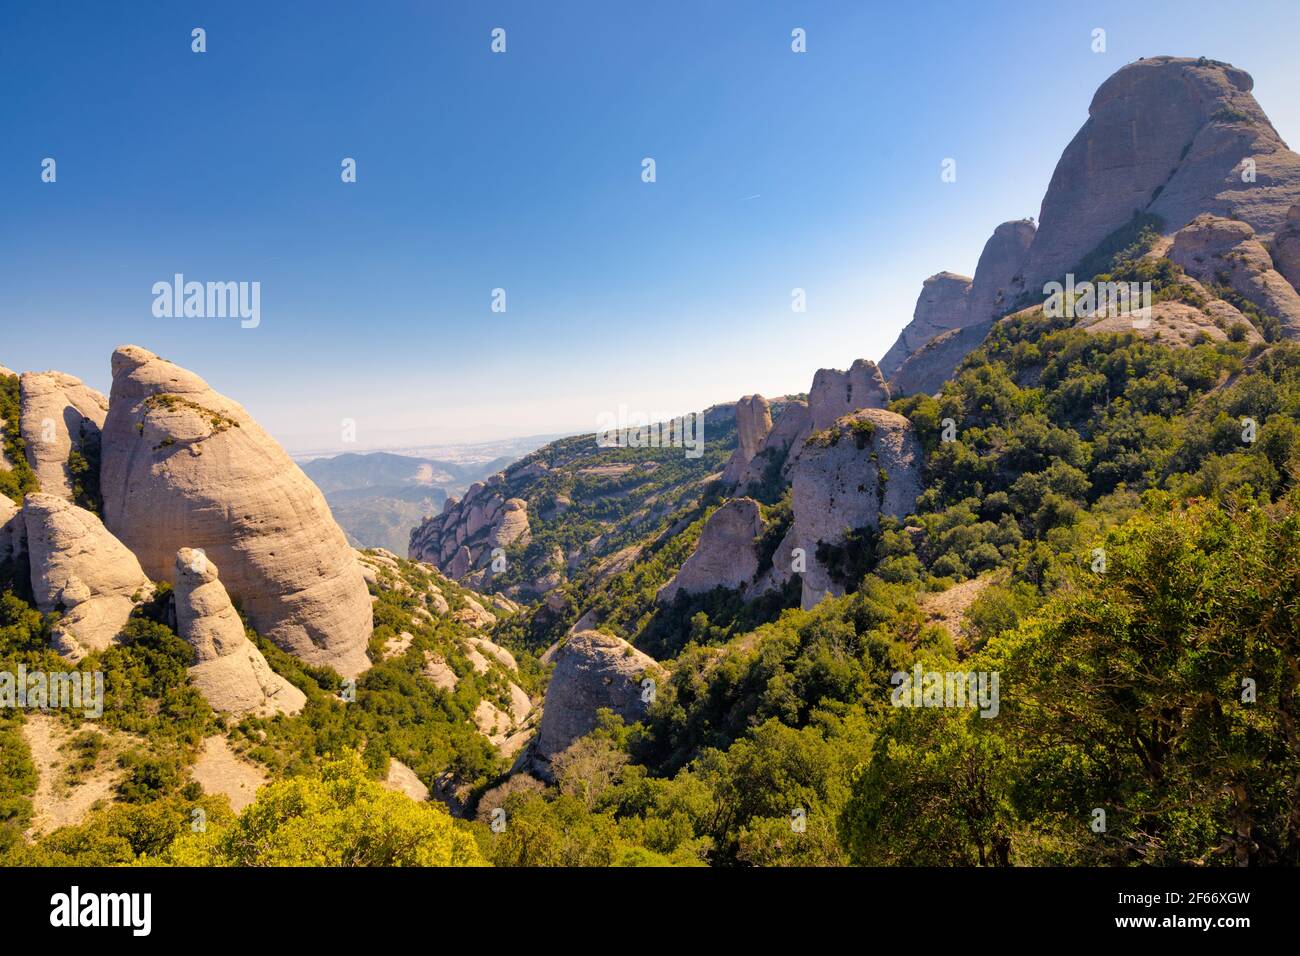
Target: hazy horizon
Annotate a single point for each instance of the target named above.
(522, 171)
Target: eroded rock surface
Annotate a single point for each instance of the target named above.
(79, 569)
(59, 415)
(228, 669)
(592, 670)
(1169, 136)
(753, 423)
(1225, 251)
(726, 555)
(184, 466)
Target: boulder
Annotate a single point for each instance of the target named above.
(1217, 250)
(402, 779)
(593, 670)
(228, 669)
(474, 614)
(59, 415)
(439, 672)
(184, 466)
(726, 554)
(79, 568)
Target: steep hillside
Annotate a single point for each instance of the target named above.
(570, 504)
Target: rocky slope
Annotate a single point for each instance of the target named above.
(184, 466)
(1213, 249)
(568, 506)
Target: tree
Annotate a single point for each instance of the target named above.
(934, 793)
(1164, 692)
(339, 818)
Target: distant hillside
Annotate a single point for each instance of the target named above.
(569, 504)
(379, 497)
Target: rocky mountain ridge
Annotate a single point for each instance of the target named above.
(1167, 139)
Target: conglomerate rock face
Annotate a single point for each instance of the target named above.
(59, 415)
(185, 467)
(943, 304)
(726, 555)
(1286, 248)
(753, 424)
(867, 466)
(228, 670)
(1217, 250)
(593, 670)
(1174, 137)
(81, 571)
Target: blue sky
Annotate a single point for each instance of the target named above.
(522, 171)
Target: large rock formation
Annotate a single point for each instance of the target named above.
(461, 539)
(866, 466)
(998, 280)
(1167, 139)
(753, 424)
(228, 669)
(13, 537)
(927, 370)
(945, 328)
(79, 569)
(726, 555)
(1217, 250)
(592, 670)
(1286, 248)
(1169, 136)
(791, 428)
(59, 415)
(942, 305)
(184, 466)
(835, 393)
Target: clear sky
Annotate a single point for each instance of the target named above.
(522, 171)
